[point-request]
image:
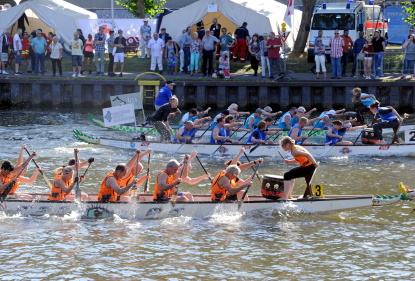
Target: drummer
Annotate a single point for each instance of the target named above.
(390, 119)
(224, 184)
(306, 169)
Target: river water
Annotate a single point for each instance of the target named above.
(373, 243)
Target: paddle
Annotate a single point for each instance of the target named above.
(12, 183)
(247, 158)
(259, 144)
(243, 136)
(40, 170)
(147, 184)
(143, 135)
(309, 134)
(247, 188)
(308, 190)
(207, 129)
(191, 137)
(225, 140)
(203, 167)
(77, 190)
(174, 197)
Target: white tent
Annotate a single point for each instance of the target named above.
(57, 14)
(261, 15)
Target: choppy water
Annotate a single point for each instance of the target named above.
(373, 243)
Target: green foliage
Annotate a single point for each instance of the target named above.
(409, 8)
(151, 7)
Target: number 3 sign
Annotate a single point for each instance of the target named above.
(318, 190)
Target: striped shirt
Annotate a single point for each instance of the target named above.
(336, 47)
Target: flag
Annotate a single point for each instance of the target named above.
(289, 12)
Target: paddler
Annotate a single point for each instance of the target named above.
(285, 120)
(326, 118)
(188, 168)
(187, 133)
(297, 130)
(219, 134)
(242, 166)
(306, 169)
(161, 117)
(63, 185)
(390, 119)
(113, 185)
(168, 179)
(259, 135)
(194, 115)
(224, 184)
(252, 120)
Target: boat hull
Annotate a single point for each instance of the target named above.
(195, 209)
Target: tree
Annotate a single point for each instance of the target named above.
(302, 36)
(409, 8)
(141, 8)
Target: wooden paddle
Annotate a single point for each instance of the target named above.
(243, 136)
(225, 141)
(77, 188)
(309, 134)
(247, 158)
(308, 190)
(40, 170)
(247, 188)
(147, 184)
(260, 143)
(143, 135)
(174, 197)
(7, 190)
(203, 167)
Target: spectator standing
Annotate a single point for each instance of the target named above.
(88, 53)
(81, 36)
(164, 35)
(185, 42)
(110, 43)
(99, 41)
(39, 48)
(56, 55)
(336, 53)
(379, 48)
(207, 47)
(25, 45)
(172, 48)
(195, 48)
(4, 40)
(156, 51)
(319, 36)
(164, 95)
(409, 57)
(255, 51)
(242, 40)
(411, 32)
(273, 45)
(215, 29)
(264, 56)
(368, 50)
(225, 41)
(17, 46)
(181, 53)
(357, 48)
(76, 46)
(347, 49)
(119, 43)
(320, 58)
(145, 34)
(31, 53)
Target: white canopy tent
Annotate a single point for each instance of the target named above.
(59, 15)
(261, 15)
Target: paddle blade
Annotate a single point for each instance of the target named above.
(255, 147)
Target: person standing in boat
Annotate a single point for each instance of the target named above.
(285, 120)
(259, 135)
(306, 169)
(161, 118)
(390, 119)
(164, 95)
(186, 133)
(362, 101)
(224, 184)
(168, 179)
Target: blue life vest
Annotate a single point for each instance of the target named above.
(321, 124)
(262, 136)
(281, 122)
(331, 140)
(256, 121)
(185, 133)
(222, 133)
(366, 101)
(294, 121)
(214, 123)
(388, 116)
(300, 131)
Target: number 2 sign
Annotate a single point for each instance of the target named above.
(409, 136)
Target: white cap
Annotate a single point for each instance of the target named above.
(332, 112)
(347, 125)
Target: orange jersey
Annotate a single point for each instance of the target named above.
(107, 194)
(220, 193)
(163, 194)
(4, 179)
(304, 162)
(126, 181)
(56, 193)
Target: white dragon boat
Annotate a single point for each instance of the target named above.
(199, 206)
(404, 149)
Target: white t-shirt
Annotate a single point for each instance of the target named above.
(156, 47)
(55, 54)
(185, 118)
(17, 47)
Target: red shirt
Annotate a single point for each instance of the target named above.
(274, 53)
(348, 43)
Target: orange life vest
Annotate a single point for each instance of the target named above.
(15, 186)
(4, 179)
(220, 193)
(163, 194)
(125, 182)
(304, 162)
(56, 193)
(107, 194)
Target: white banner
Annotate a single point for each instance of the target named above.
(130, 27)
(134, 98)
(118, 115)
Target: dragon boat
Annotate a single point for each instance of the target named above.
(400, 149)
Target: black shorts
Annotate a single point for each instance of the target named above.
(299, 172)
(88, 54)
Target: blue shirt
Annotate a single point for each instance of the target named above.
(358, 45)
(164, 96)
(300, 131)
(258, 134)
(39, 44)
(256, 121)
(385, 113)
(222, 133)
(281, 122)
(332, 140)
(185, 133)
